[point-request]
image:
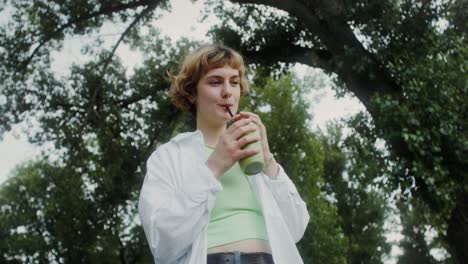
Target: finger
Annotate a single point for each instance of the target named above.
(238, 124)
(241, 115)
(257, 121)
(246, 139)
(250, 115)
(244, 130)
(255, 118)
(248, 152)
(244, 113)
(260, 125)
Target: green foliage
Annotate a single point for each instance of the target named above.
(405, 60)
(407, 63)
(38, 28)
(416, 248)
(104, 124)
(347, 214)
(299, 151)
(50, 213)
(352, 175)
(432, 123)
(82, 209)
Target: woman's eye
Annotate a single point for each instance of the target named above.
(215, 82)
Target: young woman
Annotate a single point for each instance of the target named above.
(196, 205)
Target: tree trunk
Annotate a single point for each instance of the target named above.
(457, 232)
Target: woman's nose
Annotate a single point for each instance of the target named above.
(226, 91)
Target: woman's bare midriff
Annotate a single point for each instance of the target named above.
(247, 246)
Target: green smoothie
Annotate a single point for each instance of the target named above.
(255, 163)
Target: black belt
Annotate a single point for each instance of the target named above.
(240, 258)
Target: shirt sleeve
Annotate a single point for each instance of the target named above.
(174, 211)
(293, 208)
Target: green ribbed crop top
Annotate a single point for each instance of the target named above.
(237, 214)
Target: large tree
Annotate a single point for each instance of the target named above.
(104, 123)
(406, 61)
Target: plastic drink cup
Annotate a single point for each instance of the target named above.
(253, 164)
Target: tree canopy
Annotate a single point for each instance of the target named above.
(82, 208)
(406, 61)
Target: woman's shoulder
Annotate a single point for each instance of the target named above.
(188, 137)
(180, 142)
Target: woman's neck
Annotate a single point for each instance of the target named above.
(211, 133)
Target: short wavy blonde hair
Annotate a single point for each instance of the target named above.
(184, 85)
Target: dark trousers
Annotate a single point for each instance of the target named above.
(237, 257)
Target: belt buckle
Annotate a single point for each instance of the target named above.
(227, 258)
(237, 257)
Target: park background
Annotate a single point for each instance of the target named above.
(385, 184)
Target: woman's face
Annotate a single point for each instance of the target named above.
(218, 88)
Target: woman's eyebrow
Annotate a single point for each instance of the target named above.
(222, 77)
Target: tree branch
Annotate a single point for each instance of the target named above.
(313, 57)
(98, 13)
(108, 60)
(293, 7)
(132, 99)
(339, 39)
(74, 109)
(127, 30)
(121, 250)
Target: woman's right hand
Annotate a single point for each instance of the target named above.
(228, 150)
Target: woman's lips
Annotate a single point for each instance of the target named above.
(226, 105)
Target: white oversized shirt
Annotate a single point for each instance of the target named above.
(179, 192)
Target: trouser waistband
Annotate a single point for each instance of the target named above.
(237, 257)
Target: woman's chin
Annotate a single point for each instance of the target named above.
(224, 116)
(224, 119)
(219, 120)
